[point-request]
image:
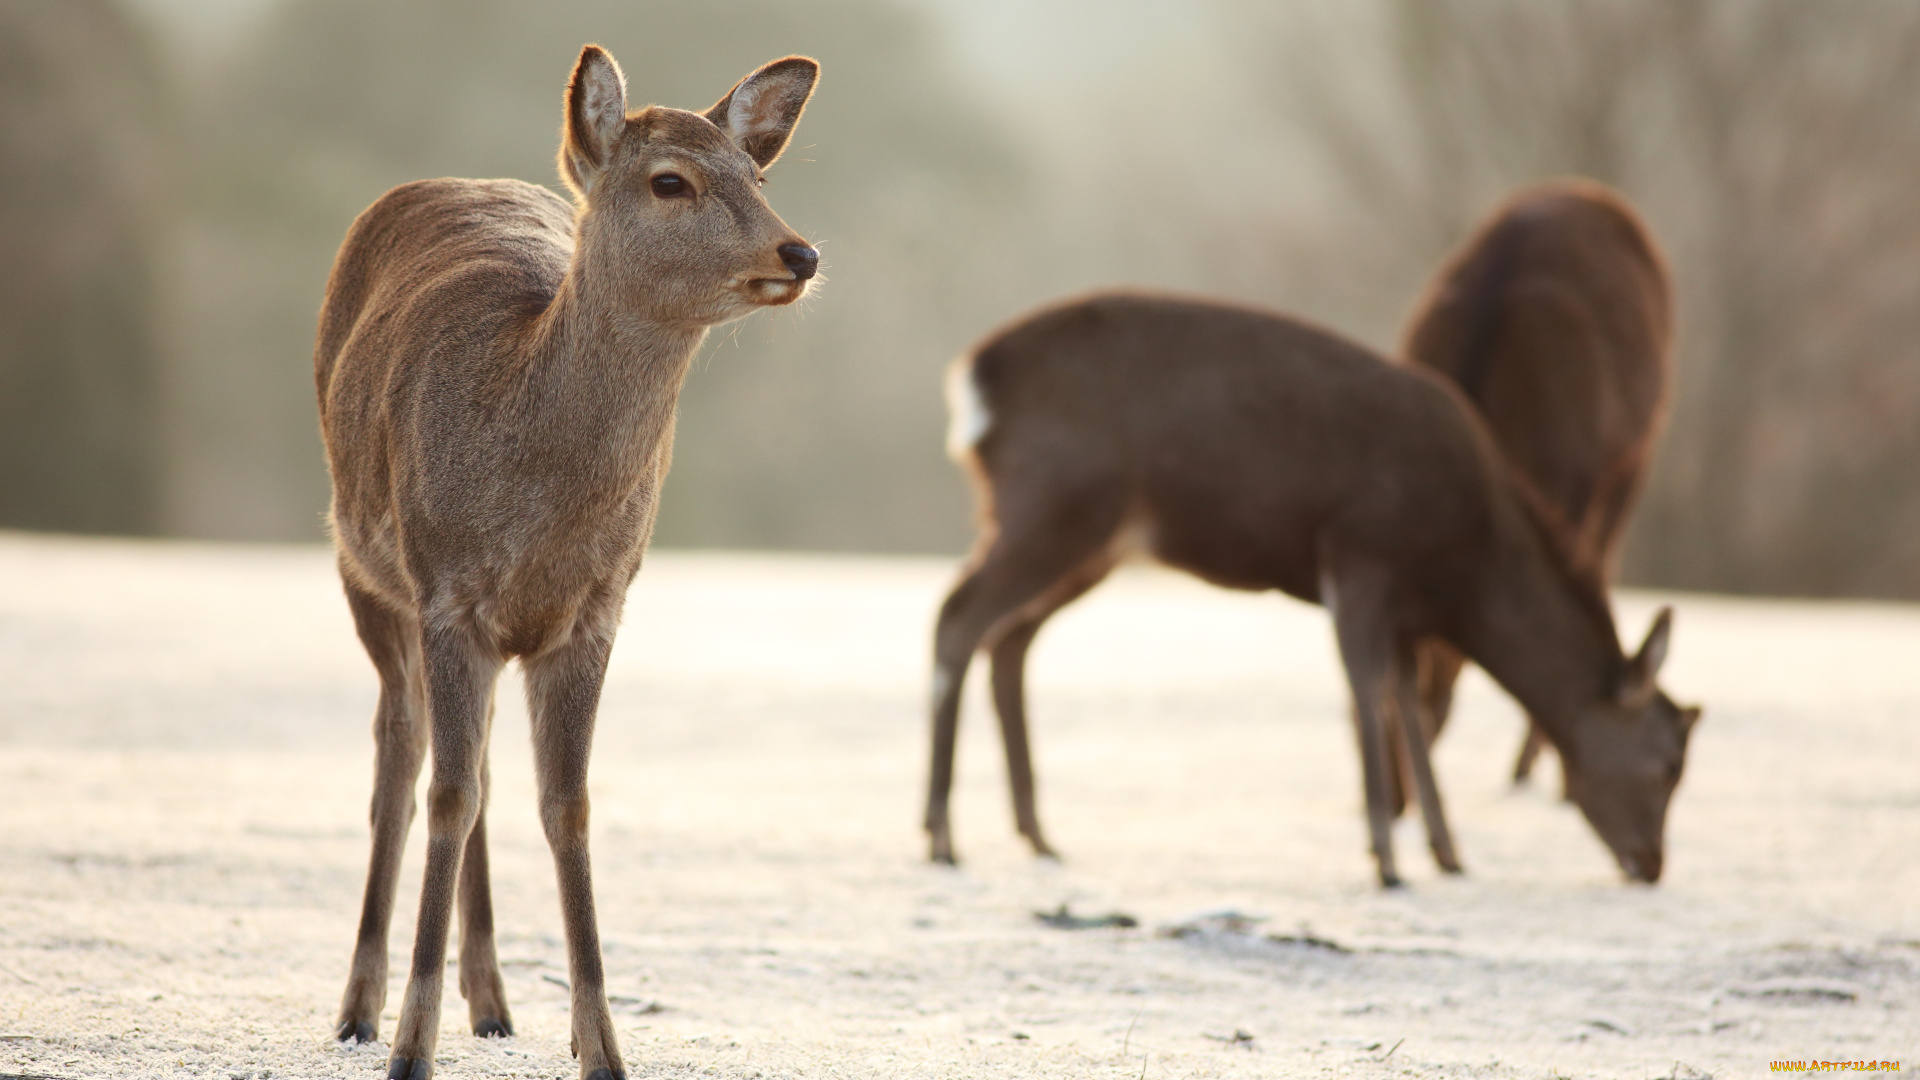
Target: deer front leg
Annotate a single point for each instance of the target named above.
(459, 676)
(1375, 763)
(480, 981)
(1414, 726)
(1436, 666)
(1357, 598)
(1535, 742)
(400, 747)
(563, 694)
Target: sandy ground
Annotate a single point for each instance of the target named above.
(185, 764)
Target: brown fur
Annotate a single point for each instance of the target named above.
(497, 371)
(1556, 320)
(1261, 453)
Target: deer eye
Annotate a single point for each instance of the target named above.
(669, 186)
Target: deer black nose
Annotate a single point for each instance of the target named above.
(801, 259)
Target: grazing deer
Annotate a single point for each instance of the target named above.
(1257, 452)
(1555, 320)
(497, 372)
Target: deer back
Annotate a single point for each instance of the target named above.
(1555, 319)
(1232, 440)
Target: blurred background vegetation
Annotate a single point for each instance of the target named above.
(175, 176)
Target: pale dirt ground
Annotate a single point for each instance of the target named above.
(185, 764)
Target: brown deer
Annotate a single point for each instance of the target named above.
(1258, 452)
(1555, 319)
(497, 371)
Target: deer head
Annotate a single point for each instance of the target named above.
(1625, 760)
(669, 203)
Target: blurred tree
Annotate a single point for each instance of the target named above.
(80, 206)
(1774, 144)
(813, 428)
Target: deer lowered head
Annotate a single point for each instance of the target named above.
(1624, 757)
(669, 201)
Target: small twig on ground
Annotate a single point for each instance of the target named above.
(1309, 939)
(557, 981)
(1240, 1037)
(1128, 1041)
(1226, 922)
(1392, 1048)
(1066, 920)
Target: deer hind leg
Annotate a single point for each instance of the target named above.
(563, 695)
(1357, 596)
(1530, 748)
(1411, 710)
(400, 746)
(1022, 567)
(459, 674)
(1009, 665)
(480, 981)
(1436, 667)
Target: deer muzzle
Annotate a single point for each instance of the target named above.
(800, 259)
(1643, 865)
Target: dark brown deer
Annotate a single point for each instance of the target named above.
(497, 370)
(1555, 319)
(1257, 452)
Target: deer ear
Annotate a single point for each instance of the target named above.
(758, 114)
(596, 114)
(1640, 679)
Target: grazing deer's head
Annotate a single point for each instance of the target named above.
(669, 200)
(1624, 763)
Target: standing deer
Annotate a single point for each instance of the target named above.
(1257, 452)
(497, 371)
(1555, 320)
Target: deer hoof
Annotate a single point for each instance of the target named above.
(1042, 849)
(356, 1031)
(605, 1074)
(406, 1068)
(493, 1027)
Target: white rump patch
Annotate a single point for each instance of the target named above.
(967, 416)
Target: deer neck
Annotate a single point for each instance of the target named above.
(603, 375)
(1541, 636)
